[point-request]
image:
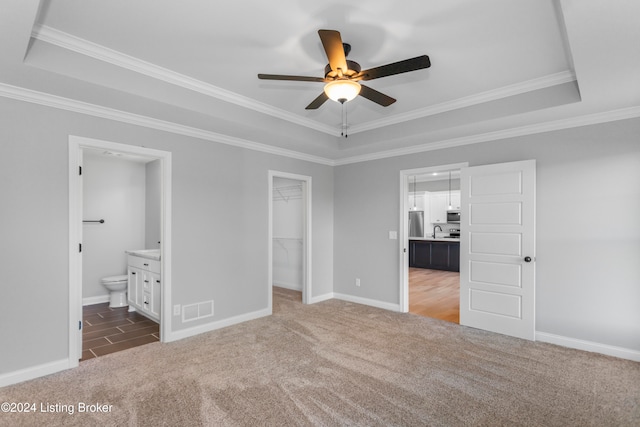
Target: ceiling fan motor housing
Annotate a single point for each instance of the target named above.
(353, 69)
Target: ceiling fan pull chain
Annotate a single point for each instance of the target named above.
(342, 119)
(343, 127)
(346, 120)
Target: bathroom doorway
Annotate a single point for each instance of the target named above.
(125, 181)
(289, 234)
(121, 212)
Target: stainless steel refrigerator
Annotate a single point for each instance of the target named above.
(416, 224)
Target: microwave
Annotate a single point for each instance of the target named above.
(453, 217)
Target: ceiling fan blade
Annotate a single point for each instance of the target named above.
(316, 103)
(399, 67)
(295, 78)
(332, 43)
(375, 96)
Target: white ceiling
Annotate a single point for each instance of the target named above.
(499, 68)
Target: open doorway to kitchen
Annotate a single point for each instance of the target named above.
(430, 255)
(126, 194)
(289, 234)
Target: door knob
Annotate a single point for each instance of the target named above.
(527, 259)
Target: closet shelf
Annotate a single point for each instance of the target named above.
(291, 192)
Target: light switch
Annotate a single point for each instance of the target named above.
(393, 235)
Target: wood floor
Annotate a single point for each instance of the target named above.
(107, 330)
(435, 293)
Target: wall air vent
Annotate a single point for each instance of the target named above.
(196, 311)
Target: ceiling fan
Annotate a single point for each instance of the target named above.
(342, 76)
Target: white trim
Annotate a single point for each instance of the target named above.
(307, 246)
(208, 327)
(594, 347)
(290, 286)
(54, 101)
(100, 299)
(367, 301)
(33, 372)
(76, 145)
(119, 59)
(468, 101)
(572, 122)
(403, 227)
(75, 258)
(320, 298)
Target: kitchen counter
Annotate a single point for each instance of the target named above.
(146, 253)
(441, 253)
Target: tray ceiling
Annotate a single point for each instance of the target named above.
(498, 67)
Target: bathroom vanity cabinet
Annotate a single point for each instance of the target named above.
(144, 286)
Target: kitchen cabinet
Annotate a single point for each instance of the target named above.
(144, 286)
(434, 254)
(455, 200)
(439, 205)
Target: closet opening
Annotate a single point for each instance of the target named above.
(289, 234)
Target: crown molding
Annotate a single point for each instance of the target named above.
(119, 59)
(468, 101)
(573, 122)
(54, 101)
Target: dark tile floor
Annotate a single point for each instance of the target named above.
(107, 330)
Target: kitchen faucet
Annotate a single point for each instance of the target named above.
(434, 230)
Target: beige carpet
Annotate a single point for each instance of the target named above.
(338, 363)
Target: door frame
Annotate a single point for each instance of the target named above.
(76, 146)
(404, 225)
(306, 239)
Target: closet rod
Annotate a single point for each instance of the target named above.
(101, 221)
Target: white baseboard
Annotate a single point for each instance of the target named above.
(594, 347)
(321, 298)
(292, 286)
(367, 301)
(208, 327)
(34, 372)
(95, 300)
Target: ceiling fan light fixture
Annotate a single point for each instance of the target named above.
(342, 90)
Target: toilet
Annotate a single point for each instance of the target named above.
(117, 286)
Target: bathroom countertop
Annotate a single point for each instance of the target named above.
(146, 253)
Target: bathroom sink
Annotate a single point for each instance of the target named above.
(146, 253)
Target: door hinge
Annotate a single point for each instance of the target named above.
(79, 170)
(79, 325)
(79, 247)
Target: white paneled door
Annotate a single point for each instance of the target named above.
(497, 248)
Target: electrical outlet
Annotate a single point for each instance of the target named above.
(176, 310)
(358, 281)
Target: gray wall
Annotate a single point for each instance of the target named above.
(587, 267)
(220, 211)
(113, 190)
(588, 227)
